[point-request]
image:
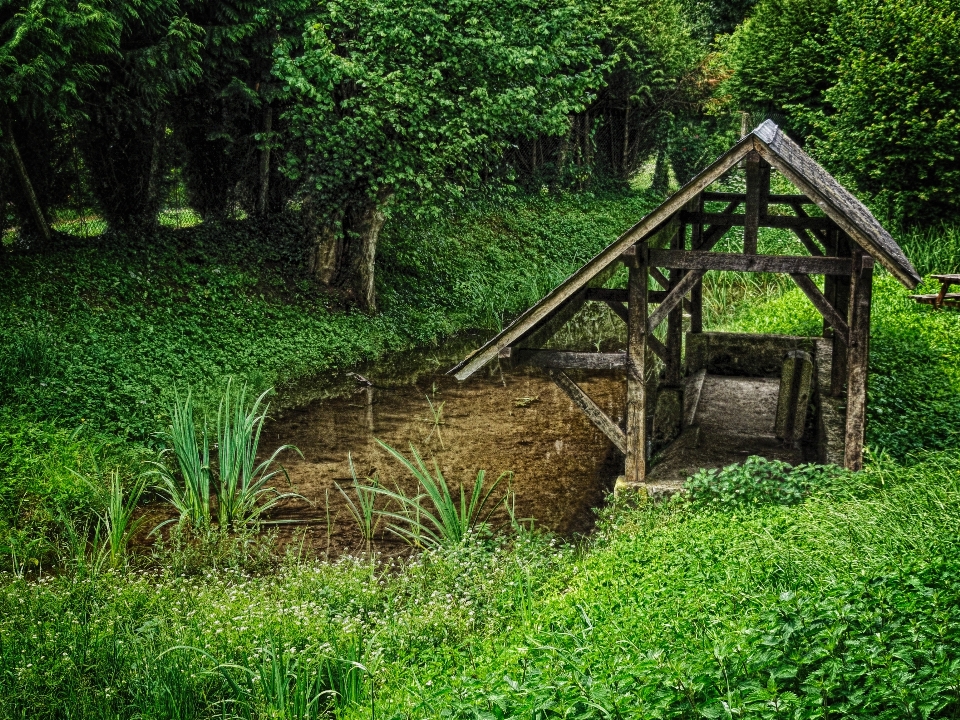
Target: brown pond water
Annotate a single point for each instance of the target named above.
(498, 421)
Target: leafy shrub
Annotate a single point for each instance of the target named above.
(873, 84)
(782, 59)
(758, 481)
(894, 124)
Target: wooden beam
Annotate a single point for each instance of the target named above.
(751, 220)
(700, 260)
(563, 360)
(635, 469)
(673, 298)
(696, 241)
(609, 295)
(788, 222)
(808, 242)
(590, 409)
(619, 309)
(820, 233)
(660, 278)
(658, 348)
(710, 196)
(830, 281)
(841, 300)
(674, 364)
(821, 303)
(605, 294)
(858, 360)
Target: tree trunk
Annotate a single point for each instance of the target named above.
(265, 163)
(35, 210)
(345, 248)
(361, 232)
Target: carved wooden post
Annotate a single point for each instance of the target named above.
(841, 301)
(858, 357)
(636, 464)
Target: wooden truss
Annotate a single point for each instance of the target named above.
(673, 246)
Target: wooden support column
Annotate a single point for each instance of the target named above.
(752, 205)
(673, 365)
(635, 470)
(858, 358)
(830, 281)
(696, 292)
(841, 301)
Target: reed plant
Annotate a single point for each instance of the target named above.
(434, 517)
(190, 492)
(363, 508)
(117, 521)
(237, 483)
(242, 491)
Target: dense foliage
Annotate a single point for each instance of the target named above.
(873, 85)
(847, 603)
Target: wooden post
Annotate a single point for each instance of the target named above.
(829, 281)
(751, 223)
(841, 301)
(635, 471)
(858, 359)
(673, 366)
(696, 293)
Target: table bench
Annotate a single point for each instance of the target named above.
(942, 298)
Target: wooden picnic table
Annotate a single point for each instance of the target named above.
(942, 298)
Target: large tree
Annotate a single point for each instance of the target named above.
(396, 99)
(51, 51)
(872, 85)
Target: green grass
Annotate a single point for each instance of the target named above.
(842, 602)
(848, 604)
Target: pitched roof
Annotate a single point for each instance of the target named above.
(781, 152)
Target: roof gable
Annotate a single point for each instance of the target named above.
(782, 153)
(836, 201)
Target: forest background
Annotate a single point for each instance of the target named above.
(197, 191)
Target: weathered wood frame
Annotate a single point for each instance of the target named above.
(842, 245)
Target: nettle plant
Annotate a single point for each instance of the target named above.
(758, 481)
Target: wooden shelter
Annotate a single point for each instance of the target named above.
(674, 244)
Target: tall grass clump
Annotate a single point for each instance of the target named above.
(434, 518)
(117, 521)
(933, 249)
(242, 491)
(190, 491)
(363, 509)
(237, 483)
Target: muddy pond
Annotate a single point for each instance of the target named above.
(499, 421)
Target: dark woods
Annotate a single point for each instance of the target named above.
(343, 112)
